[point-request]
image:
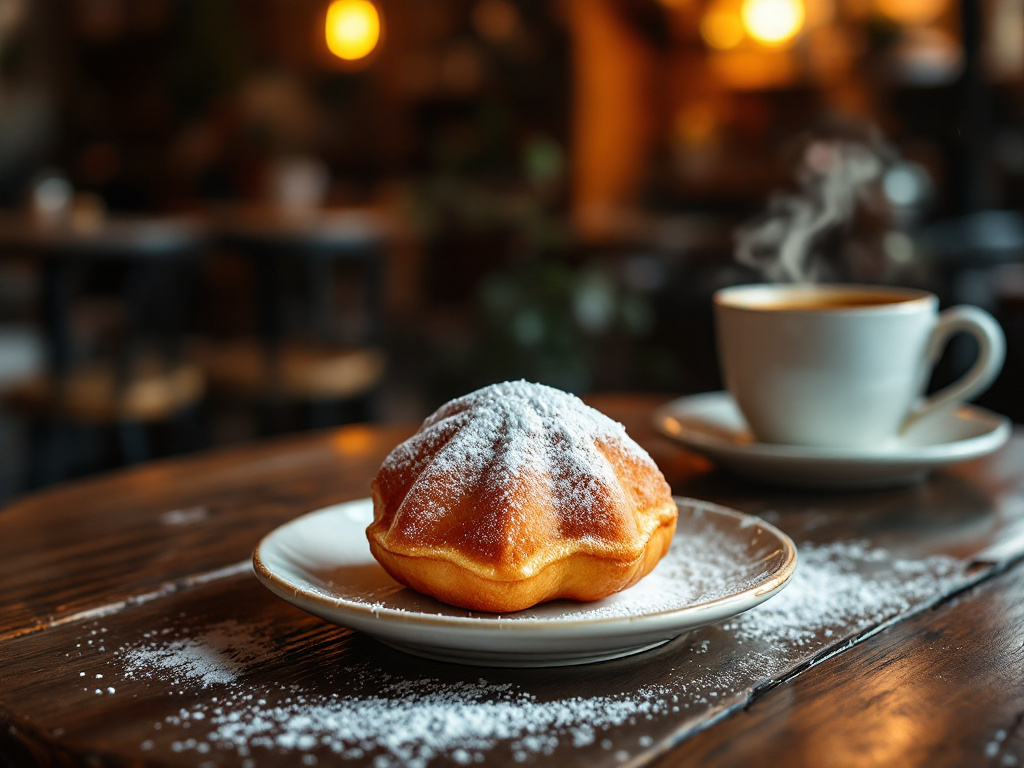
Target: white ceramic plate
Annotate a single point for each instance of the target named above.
(711, 423)
(721, 563)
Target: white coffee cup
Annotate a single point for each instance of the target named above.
(843, 366)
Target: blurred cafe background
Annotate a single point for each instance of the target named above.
(227, 219)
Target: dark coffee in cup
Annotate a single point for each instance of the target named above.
(811, 304)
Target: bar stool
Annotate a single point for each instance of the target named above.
(137, 377)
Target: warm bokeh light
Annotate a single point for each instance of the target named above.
(354, 440)
(721, 27)
(496, 20)
(696, 123)
(352, 28)
(772, 22)
(912, 11)
(755, 69)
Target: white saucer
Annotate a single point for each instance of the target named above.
(711, 423)
(721, 563)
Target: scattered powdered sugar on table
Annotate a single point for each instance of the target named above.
(412, 722)
(844, 584)
(214, 657)
(186, 516)
(361, 712)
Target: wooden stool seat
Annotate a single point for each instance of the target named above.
(92, 393)
(302, 371)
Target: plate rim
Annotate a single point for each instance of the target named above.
(485, 622)
(1000, 429)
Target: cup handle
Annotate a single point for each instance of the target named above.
(991, 354)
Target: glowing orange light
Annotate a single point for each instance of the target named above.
(721, 27)
(772, 22)
(352, 28)
(352, 440)
(912, 11)
(755, 69)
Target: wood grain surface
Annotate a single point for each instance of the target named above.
(91, 568)
(125, 537)
(942, 688)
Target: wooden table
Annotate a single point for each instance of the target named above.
(106, 581)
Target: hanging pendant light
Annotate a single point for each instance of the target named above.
(352, 29)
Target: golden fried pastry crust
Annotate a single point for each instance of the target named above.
(517, 494)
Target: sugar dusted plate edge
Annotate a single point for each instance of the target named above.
(314, 561)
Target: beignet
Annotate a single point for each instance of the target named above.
(516, 494)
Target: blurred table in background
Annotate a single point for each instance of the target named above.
(136, 373)
(319, 306)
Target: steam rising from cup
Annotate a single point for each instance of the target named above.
(834, 179)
